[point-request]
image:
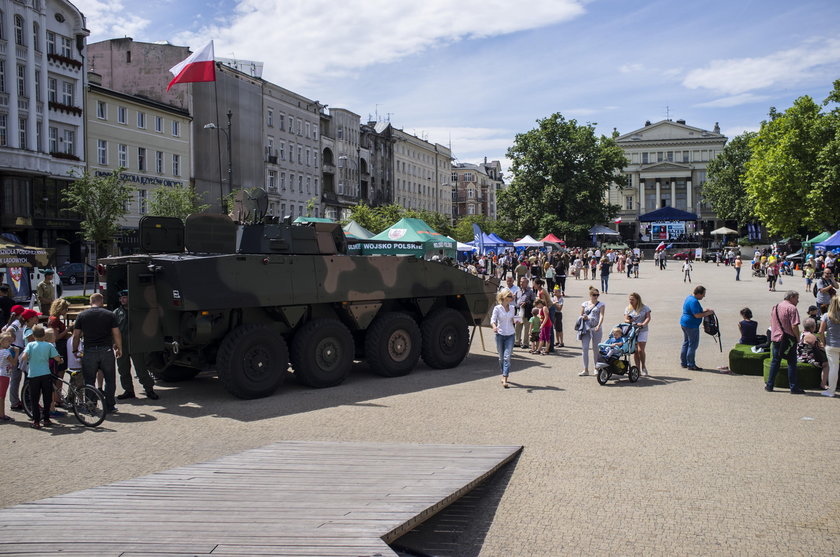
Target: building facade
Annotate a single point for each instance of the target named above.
(149, 140)
(422, 174)
(476, 186)
(346, 162)
(667, 164)
(42, 80)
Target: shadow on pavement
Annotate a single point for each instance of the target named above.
(650, 381)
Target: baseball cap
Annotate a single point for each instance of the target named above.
(29, 314)
(17, 310)
(49, 272)
(123, 293)
(812, 308)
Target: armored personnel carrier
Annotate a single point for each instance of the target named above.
(248, 300)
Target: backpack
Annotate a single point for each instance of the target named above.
(816, 290)
(712, 327)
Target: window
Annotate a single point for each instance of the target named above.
(101, 110)
(37, 86)
(300, 154)
(341, 188)
(38, 135)
(308, 184)
(291, 181)
(272, 180)
(300, 184)
(628, 202)
(141, 202)
(53, 140)
(102, 151)
(21, 80)
(141, 158)
(19, 30)
(36, 31)
(158, 124)
(282, 151)
(685, 156)
(291, 124)
(283, 183)
(22, 132)
(3, 137)
(660, 157)
(50, 42)
(315, 137)
(670, 156)
(176, 128)
(307, 129)
(67, 93)
(121, 114)
(66, 47)
(141, 120)
(283, 210)
(281, 124)
(2, 76)
(340, 134)
(316, 189)
(52, 90)
(644, 158)
(315, 158)
(176, 165)
(69, 142)
(122, 155)
(270, 118)
(291, 210)
(159, 162)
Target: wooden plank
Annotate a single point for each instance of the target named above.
(289, 498)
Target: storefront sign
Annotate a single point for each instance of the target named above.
(143, 180)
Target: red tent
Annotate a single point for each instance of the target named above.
(553, 239)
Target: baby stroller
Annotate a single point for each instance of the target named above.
(758, 270)
(617, 358)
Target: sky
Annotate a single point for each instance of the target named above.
(474, 73)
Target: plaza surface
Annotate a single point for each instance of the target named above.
(680, 463)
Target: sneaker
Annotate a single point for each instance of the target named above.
(827, 393)
(47, 422)
(126, 395)
(151, 394)
(797, 392)
(17, 407)
(57, 414)
(583, 373)
(695, 368)
(768, 388)
(644, 372)
(113, 410)
(35, 425)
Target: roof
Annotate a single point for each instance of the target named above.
(667, 213)
(637, 135)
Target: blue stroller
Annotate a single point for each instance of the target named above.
(617, 358)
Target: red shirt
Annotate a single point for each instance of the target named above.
(788, 318)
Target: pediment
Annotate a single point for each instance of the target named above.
(667, 130)
(665, 166)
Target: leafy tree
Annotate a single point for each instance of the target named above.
(464, 227)
(310, 206)
(178, 201)
(792, 173)
(725, 189)
(366, 216)
(561, 175)
(101, 203)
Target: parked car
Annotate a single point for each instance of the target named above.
(72, 273)
(682, 255)
(712, 255)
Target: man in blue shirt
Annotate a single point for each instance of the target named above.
(692, 317)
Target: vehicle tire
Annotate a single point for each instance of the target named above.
(392, 344)
(176, 374)
(604, 375)
(252, 361)
(89, 406)
(446, 339)
(633, 374)
(322, 353)
(72, 280)
(24, 398)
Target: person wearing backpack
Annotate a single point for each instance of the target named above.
(690, 321)
(825, 289)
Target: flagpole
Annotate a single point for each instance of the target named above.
(219, 150)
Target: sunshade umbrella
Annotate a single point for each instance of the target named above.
(723, 231)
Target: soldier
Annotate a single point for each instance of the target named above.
(46, 292)
(125, 361)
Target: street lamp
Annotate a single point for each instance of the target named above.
(213, 126)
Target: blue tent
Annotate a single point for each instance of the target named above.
(667, 213)
(830, 243)
(500, 241)
(490, 243)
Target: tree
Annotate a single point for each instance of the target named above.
(464, 227)
(101, 202)
(792, 175)
(561, 175)
(178, 201)
(725, 188)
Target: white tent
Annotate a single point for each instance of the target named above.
(722, 231)
(462, 246)
(528, 242)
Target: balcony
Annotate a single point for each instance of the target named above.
(69, 109)
(65, 61)
(328, 168)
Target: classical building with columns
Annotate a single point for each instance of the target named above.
(667, 168)
(42, 81)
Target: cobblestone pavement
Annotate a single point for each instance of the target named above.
(681, 463)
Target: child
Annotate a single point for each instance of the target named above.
(687, 270)
(616, 342)
(8, 362)
(809, 275)
(545, 328)
(535, 328)
(38, 354)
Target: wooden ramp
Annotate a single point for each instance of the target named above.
(289, 498)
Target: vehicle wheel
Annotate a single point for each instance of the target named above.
(175, 374)
(604, 375)
(89, 406)
(252, 361)
(24, 398)
(446, 339)
(322, 353)
(72, 279)
(392, 344)
(633, 374)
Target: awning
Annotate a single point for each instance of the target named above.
(528, 242)
(19, 255)
(553, 239)
(830, 243)
(599, 230)
(666, 214)
(722, 231)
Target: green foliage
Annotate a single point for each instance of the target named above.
(178, 201)
(725, 189)
(464, 230)
(438, 221)
(792, 175)
(561, 175)
(101, 203)
(310, 206)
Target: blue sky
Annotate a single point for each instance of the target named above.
(476, 72)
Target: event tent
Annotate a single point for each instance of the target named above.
(666, 214)
(599, 230)
(830, 243)
(355, 231)
(553, 239)
(817, 239)
(528, 242)
(304, 220)
(723, 231)
(407, 237)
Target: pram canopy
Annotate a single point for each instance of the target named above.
(629, 333)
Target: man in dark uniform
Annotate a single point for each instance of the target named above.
(6, 303)
(125, 361)
(102, 342)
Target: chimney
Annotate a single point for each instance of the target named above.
(647, 123)
(94, 78)
(485, 160)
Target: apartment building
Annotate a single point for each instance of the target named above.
(422, 172)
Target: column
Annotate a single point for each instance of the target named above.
(32, 111)
(673, 192)
(689, 195)
(641, 189)
(658, 194)
(45, 111)
(12, 132)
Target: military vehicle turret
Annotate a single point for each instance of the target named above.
(248, 300)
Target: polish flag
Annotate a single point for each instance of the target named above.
(617, 221)
(660, 246)
(199, 66)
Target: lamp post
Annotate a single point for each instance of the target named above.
(227, 132)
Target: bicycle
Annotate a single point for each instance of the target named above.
(87, 402)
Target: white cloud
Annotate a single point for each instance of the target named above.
(734, 100)
(631, 68)
(783, 68)
(111, 18)
(302, 41)
(470, 143)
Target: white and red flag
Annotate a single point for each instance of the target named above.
(617, 220)
(660, 246)
(199, 66)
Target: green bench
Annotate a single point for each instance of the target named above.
(809, 377)
(743, 361)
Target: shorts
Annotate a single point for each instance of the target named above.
(4, 385)
(558, 321)
(535, 336)
(642, 336)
